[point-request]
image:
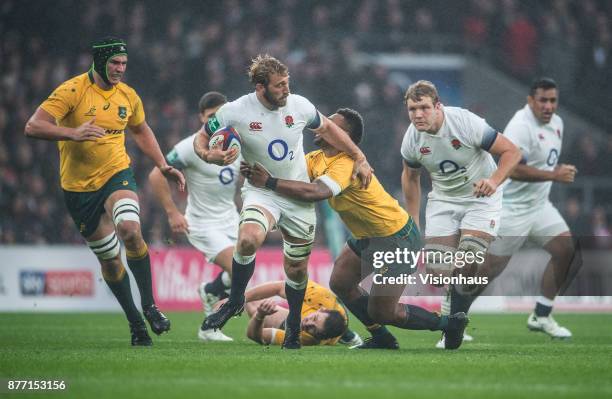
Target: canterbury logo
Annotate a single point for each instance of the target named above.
(425, 150)
(255, 126)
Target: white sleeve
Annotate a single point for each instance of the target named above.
(181, 156)
(519, 134)
(225, 116)
(309, 112)
(477, 131)
(408, 151)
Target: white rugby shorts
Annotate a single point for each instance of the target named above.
(213, 237)
(297, 218)
(537, 224)
(448, 216)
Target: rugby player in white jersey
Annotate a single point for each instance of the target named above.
(527, 213)
(270, 122)
(464, 206)
(210, 220)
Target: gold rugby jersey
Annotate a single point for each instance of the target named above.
(370, 212)
(316, 297)
(87, 165)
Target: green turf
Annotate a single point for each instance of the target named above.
(91, 352)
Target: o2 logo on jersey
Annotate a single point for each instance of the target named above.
(278, 150)
(553, 157)
(447, 167)
(226, 176)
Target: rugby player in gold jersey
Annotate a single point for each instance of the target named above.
(87, 115)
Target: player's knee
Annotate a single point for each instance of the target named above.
(298, 274)
(563, 255)
(130, 233)
(247, 245)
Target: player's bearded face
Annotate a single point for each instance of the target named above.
(277, 90)
(115, 68)
(423, 114)
(543, 104)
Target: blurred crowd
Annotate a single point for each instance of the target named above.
(179, 50)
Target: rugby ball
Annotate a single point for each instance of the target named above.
(226, 137)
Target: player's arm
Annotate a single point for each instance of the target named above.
(509, 156)
(255, 329)
(411, 187)
(258, 176)
(42, 125)
(265, 291)
(340, 140)
(215, 155)
(146, 141)
(162, 191)
(563, 173)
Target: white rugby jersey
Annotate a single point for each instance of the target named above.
(271, 137)
(210, 187)
(540, 145)
(456, 156)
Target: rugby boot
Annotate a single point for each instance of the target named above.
(217, 319)
(140, 336)
(384, 341)
(157, 320)
(453, 333)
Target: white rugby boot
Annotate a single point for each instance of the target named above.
(548, 325)
(466, 338)
(213, 335)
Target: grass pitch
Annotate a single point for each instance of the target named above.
(91, 353)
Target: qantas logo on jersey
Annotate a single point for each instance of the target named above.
(425, 150)
(456, 144)
(255, 126)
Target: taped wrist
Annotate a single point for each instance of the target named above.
(271, 183)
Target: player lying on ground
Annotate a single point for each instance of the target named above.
(377, 222)
(210, 220)
(324, 319)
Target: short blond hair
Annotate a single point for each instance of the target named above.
(263, 66)
(420, 89)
